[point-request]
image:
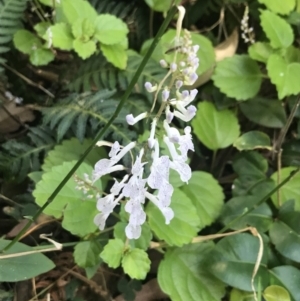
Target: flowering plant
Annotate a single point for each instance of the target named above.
(175, 103)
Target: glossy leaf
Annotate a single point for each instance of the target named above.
(266, 112)
(207, 196)
(136, 263)
(23, 267)
(276, 293)
(260, 51)
(183, 274)
(182, 228)
(253, 140)
(235, 268)
(278, 30)
(260, 217)
(290, 191)
(238, 77)
(215, 129)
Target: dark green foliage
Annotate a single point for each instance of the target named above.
(88, 111)
(97, 72)
(18, 158)
(11, 11)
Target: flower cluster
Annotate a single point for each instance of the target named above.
(247, 32)
(138, 186)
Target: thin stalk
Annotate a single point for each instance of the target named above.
(101, 132)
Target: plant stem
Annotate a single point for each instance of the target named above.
(101, 132)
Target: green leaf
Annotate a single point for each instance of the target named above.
(290, 191)
(260, 51)
(110, 29)
(215, 129)
(283, 75)
(233, 260)
(182, 228)
(278, 6)
(115, 54)
(40, 56)
(52, 3)
(291, 153)
(207, 196)
(61, 36)
(289, 277)
(22, 267)
(25, 41)
(238, 295)
(86, 253)
(183, 274)
(279, 31)
(253, 140)
(238, 77)
(41, 28)
(74, 10)
(83, 29)
(136, 263)
(70, 203)
(141, 243)
(84, 49)
(158, 5)
(70, 150)
(276, 293)
(113, 253)
(260, 217)
(266, 112)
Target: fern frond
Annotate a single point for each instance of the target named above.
(11, 12)
(18, 158)
(87, 110)
(97, 72)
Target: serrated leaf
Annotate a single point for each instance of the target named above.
(41, 57)
(74, 10)
(70, 150)
(279, 31)
(238, 77)
(136, 263)
(61, 36)
(84, 49)
(83, 29)
(260, 51)
(215, 129)
(69, 203)
(25, 41)
(266, 112)
(253, 140)
(115, 54)
(41, 28)
(207, 196)
(183, 274)
(235, 268)
(141, 243)
(86, 253)
(276, 293)
(290, 191)
(278, 6)
(182, 228)
(283, 75)
(113, 253)
(110, 29)
(23, 267)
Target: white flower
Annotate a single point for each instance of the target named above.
(131, 120)
(152, 133)
(186, 143)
